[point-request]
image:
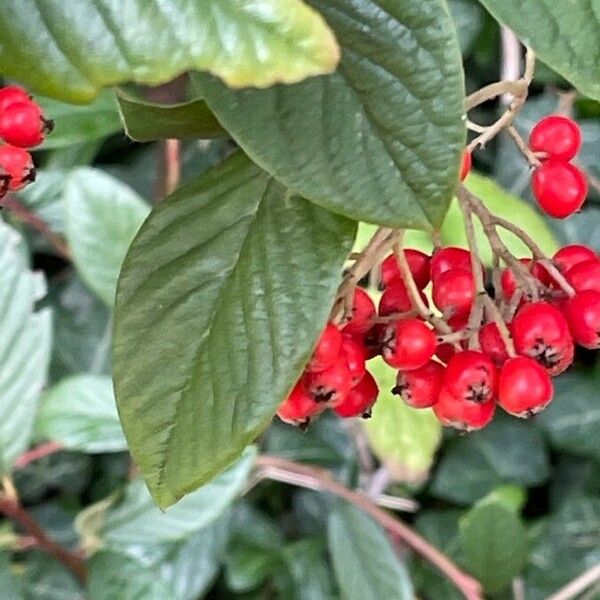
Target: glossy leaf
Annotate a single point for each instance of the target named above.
(25, 337)
(80, 124)
(102, 218)
(507, 451)
(71, 51)
(403, 438)
(504, 205)
(226, 286)
(564, 36)
(379, 140)
(80, 413)
(145, 122)
(364, 561)
(494, 543)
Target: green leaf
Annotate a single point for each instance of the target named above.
(145, 122)
(102, 218)
(310, 572)
(25, 339)
(504, 205)
(563, 36)
(226, 287)
(468, 18)
(508, 451)
(79, 124)
(80, 413)
(46, 579)
(136, 520)
(403, 438)
(9, 584)
(364, 561)
(380, 139)
(72, 51)
(572, 420)
(494, 543)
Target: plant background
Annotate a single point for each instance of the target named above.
(518, 500)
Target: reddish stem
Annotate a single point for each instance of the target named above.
(37, 453)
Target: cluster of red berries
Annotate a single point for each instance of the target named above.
(22, 126)
(462, 385)
(559, 187)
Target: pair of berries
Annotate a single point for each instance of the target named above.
(22, 125)
(335, 377)
(559, 187)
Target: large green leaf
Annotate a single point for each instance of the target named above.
(72, 50)
(102, 218)
(564, 35)
(225, 289)
(379, 140)
(364, 560)
(145, 122)
(494, 543)
(25, 336)
(403, 438)
(80, 413)
(573, 419)
(508, 451)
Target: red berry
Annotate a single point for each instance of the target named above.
(298, 407)
(12, 94)
(355, 355)
(492, 344)
(420, 388)
(583, 315)
(462, 414)
(363, 310)
(360, 399)
(465, 164)
(559, 187)
(569, 256)
(454, 291)
(585, 275)
(445, 352)
(407, 344)
(330, 386)
(525, 388)
(395, 299)
(559, 137)
(418, 263)
(23, 125)
(327, 350)
(540, 331)
(448, 258)
(471, 375)
(508, 280)
(16, 167)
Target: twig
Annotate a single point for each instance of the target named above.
(36, 453)
(36, 223)
(169, 173)
(71, 560)
(525, 150)
(511, 59)
(281, 469)
(518, 589)
(578, 585)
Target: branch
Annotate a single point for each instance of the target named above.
(37, 224)
(71, 560)
(578, 585)
(169, 173)
(286, 471)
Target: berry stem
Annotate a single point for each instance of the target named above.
(314, 478)
(493, 314)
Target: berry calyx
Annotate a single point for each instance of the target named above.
(524, 388)
(355, 355)
(558, 136)
(583, 314)
(585, 275)
(407, 344)
(418, 263)
(12, 94)
(330, 386)
(540, 332)
(471, 376)
(420, 388)
(454, 291)
(462, 414)
(363, 311)
(23, 125)
(360, 399)
(327, 349)
(466, 163)
(568, 256)
(16, 167)
(559, 187)
(298, 408)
